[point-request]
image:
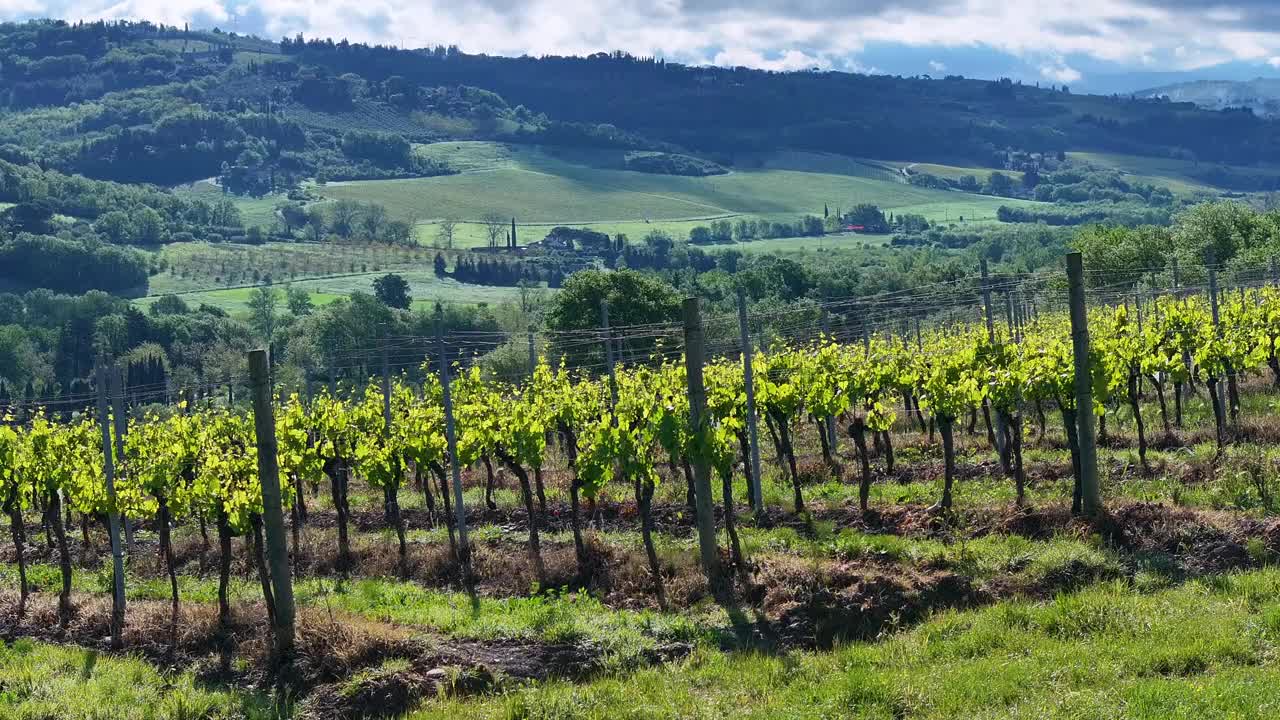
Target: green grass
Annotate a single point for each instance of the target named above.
(210, 266)
(253, 211)
(424, 286)
(548, 186)
(955, 172)
(552, 618)
(842, 242)
(222, 275)
(47, 682)
(1200, 650)
(474, 235)
(1176, 174)
(1197, 651)
(816, 162)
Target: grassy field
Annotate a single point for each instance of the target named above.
(1176, 174)
(846, 241)
(224, 275)
(425, 288)
(50, 681)
(954, 172)
(1197, 651)
(210, 266)
(474, 234)
(543, 187)
(1173, 173)
(1193, 652)
(546, 186)
(253, 211)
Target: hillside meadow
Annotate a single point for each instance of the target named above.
(543, 187)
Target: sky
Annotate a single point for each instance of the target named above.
(1090, 45)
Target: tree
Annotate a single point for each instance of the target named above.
(18, 355)
(31, 217)
(441, 266)
(397, 232)
(148, 227)
(263, 303)
(225, 214)
(72, 266)
(383, 149)
(294, 216)
(999, 184)
(372, 221)
(513, 234)
(1122, 255)
(115, 226)
(1222, 229)
(343, 216)
(495, 225)
(660, 245)
(722, 231)
(168, 305)
(299, 301)
(870, 217)
(393, 291)
(444, 237)
(316, 224)
(634, 299)
(110, 335)
(532, 297)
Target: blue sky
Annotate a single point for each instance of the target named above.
(1091, 45)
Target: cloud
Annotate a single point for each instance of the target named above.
(1153, 34)
(936, 66)
(1060, 72)
(1274, 62)
(788, 60)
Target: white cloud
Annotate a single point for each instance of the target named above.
(1155, 34)
(169, 12)
(936, 66)
(1274, 62)
(1057, 70)
(788, 60)
(1060, 72)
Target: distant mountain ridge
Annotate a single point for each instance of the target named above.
(1262, 95)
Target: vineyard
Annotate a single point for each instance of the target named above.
(777, 483)
(188, 267)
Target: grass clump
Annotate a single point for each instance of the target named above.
(1192, 652)
(47, 682)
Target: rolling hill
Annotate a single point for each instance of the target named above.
(546, 186)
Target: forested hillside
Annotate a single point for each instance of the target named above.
(139, 102)
(732, 110)
(145, 160)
